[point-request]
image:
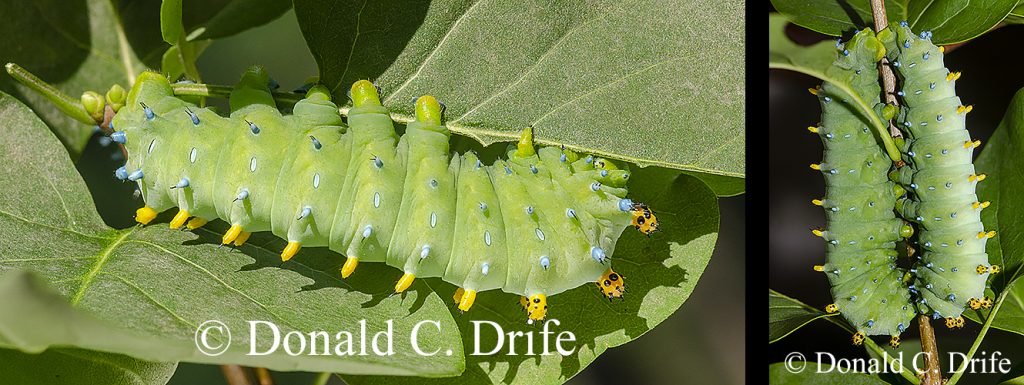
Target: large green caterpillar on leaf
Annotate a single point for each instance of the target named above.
(940, 179)
(862, 229)
(539, 223)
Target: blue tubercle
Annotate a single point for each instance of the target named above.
(598, 254)
(135, 175)
(309, 210)
(118, 137)
(148, 111)
(193, 116)
(253, 127)
(316, 143)
(242, 195)
(625, 204)
(545, 262)
(181, 183)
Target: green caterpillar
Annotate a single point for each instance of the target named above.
(539, 223)
(862, 229)
(952, 265)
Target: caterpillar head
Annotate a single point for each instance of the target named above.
(611, 284)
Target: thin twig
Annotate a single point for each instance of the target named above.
(322, 378)
(888, 78)
(932, 375)
(235, 375)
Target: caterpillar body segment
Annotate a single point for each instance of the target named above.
(940, 177)
(538, 223)
(862, 228)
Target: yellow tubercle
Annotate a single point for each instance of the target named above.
(466, 302)
(813, 91)
(819, 268)
(986, 302)
(981, 269)
(994, 269)
(404, 282)
(954, 322)
(349, 266)
(990, 234)
(179, 219)
(817, 202)
(242, 237)
(942, 49)
(644, 219)
(812, 129)
(290, 250)
(231, 234)
(428, 109)
(831, 308)
(818, 232)
(196, 223)
(815, 166)
(953, 76)
(612, 284)
(974, 303)
(145, 215)
(537, 307)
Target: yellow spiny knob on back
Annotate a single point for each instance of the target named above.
(242, 237)
(145, 215)
(818, 232)
(812, 129)
(815, 166)
(364, 93)
(404, 282)
(817, 202)
(942, 49)
(819, 268)
(953, 76)
(428, 109)
(525, 146)
(813, 91)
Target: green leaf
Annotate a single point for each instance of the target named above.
(201, 19)
(816, 61)
(1011, 312)
(1005, 172)
(171, 27)
(786, 315)
(660, 273)
(143, 291)
(653, 83)
(81, 367)
(74, 45)
(778, 374)
(1016, 16)
(952, 21)
(172, 64)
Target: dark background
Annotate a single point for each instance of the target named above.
(703, 342)
(992, 73)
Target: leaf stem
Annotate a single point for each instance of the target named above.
(218, 91)
(981, 335)
(235, 375)
(68, 105)
(932, 375)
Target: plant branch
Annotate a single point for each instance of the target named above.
(932, 374)
(870, 344)
(888, 78)
(263, 376)
(322, 378)
(218, 91)
(66, 104)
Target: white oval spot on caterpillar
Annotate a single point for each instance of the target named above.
(433, 183)
(485, 268)
(376, 199)
(151, 145)
(425, 251)
(433, 219)
(487, 237)
(316, 180)
(540, 234)
(252, 164)
(192, 155)
(367, 231)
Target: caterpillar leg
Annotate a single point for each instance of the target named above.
(643, 219)
(404, 282)
(467, 299)
(242, 237)
(231, 234)
(612, 284)
(858, 338)
(954, 322)
(974, 303)
(458, 295)
(986, 302)
(196, 223)
(831, 308)
(994, 269)
(290, 250)
(179, 219)
(536, 307)
(349, 266)
(894, 342)
(145, 215)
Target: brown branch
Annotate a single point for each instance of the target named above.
(932, 375)
(235, 375)
(888, 78)
(263, 375)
